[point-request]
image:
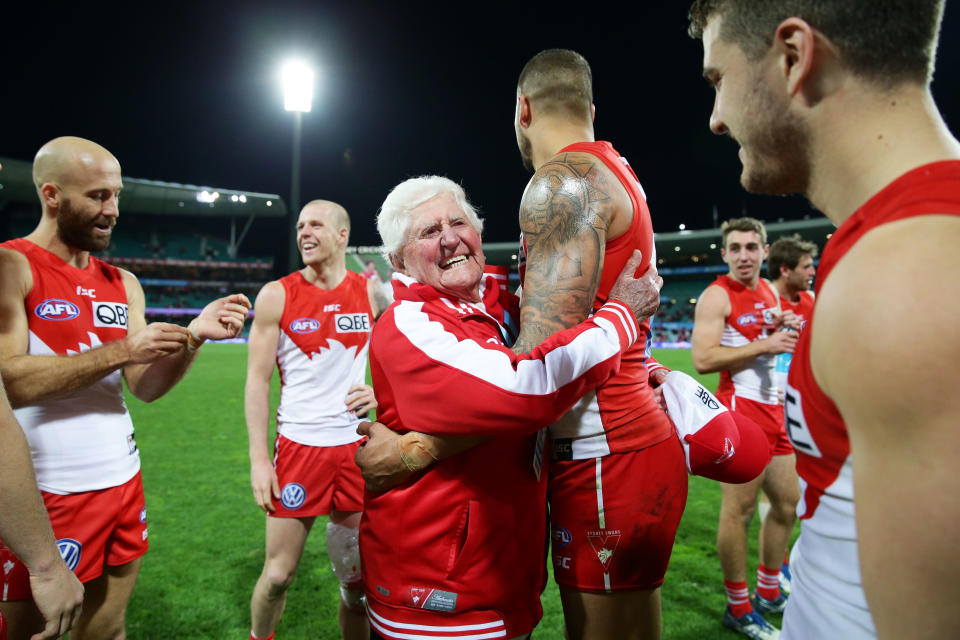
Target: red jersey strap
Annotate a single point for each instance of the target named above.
(639, 235)
(927, 190)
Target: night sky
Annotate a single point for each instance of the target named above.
(190, 92)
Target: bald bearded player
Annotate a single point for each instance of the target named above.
(70, 327)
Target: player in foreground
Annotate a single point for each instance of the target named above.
(832, 100)
(71, 327)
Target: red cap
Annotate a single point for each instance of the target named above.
(718, 443)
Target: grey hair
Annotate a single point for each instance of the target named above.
(395, 212)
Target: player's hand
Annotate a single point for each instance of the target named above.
(379, 457)
(360, 399)
(221, 319)
(786, 319)
(782, 342)
(263, 480)
(59, 597)
(641, 294)
(658, 376)
(156, 340)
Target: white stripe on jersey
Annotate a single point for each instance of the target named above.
(494, 629)
(558, 367)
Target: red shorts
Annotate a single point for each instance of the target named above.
(316, 480)
(769, 416)
(93, 528)
(613, 519)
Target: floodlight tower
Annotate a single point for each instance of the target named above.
(298, 98)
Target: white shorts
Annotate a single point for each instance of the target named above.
(825, 600)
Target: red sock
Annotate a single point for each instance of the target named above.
(768, 582)
(738, 598)
(786, 558)
(253, 637)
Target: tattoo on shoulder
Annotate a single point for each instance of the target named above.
(565, 214)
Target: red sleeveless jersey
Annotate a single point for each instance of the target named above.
(623, 416)
(750, 315)
(82, 441)
(814, 424)
(321, 353)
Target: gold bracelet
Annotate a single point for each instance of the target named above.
(193, 342)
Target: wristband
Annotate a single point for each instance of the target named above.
(193, 342)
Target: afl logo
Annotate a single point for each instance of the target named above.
(746, 320)
(56, 310)
(561, 537)
(304, 325)
(70, 551)
(293, 495)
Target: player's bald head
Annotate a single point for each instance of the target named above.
(70, 160)
(558, 82)
(334, 213)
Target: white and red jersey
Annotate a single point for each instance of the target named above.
(751, 312)
(321, 353)
(815, 426)
(458, 551)
(622, 415)
(82, 441)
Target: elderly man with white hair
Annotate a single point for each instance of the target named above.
(457, 550)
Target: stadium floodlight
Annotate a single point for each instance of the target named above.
(682, 226)
(297, 86)
(298, 98)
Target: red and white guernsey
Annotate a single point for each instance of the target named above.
(82, 441)
(322, 352)
(826, 552)
(622, 415)
(750, 312)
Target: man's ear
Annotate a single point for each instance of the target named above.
(524, 112)
(396, 262)
(795, 43)
(50, 195)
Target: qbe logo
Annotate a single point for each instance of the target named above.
(58, 310)
(352, 322)
(112, 315)
(304, 325)
(70, 551)
(293, 495)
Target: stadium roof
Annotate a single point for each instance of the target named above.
(680, 248)
(155, 197)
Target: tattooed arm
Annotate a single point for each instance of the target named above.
(566, 215)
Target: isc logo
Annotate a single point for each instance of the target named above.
(352, 322)
(304, 325)
(112, 315)
(56, 310)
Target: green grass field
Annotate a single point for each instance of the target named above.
(207, 534)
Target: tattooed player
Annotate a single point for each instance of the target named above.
(582, 215)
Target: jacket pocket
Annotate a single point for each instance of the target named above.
(468, 540)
